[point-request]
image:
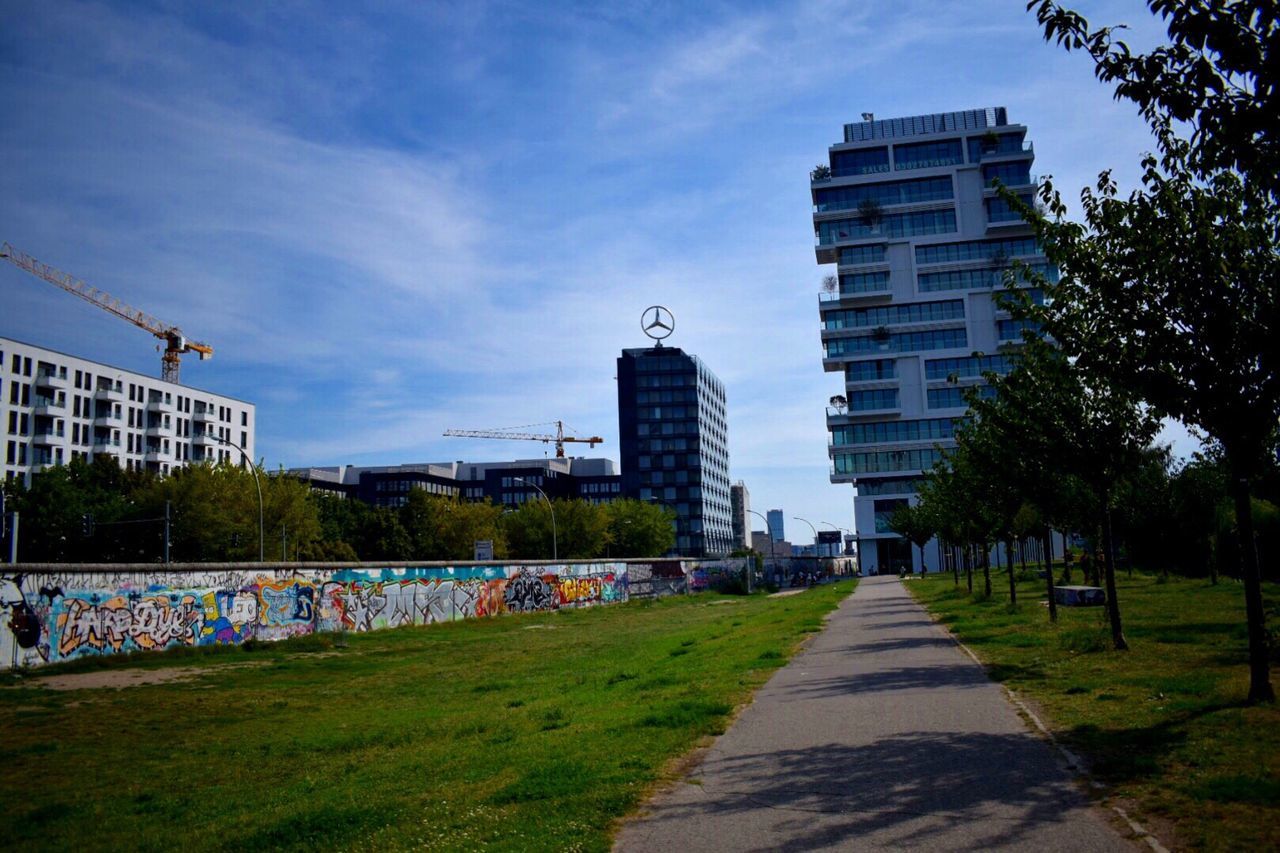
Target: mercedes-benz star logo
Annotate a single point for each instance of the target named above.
(657, 322)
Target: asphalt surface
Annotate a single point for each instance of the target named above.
(881, 734)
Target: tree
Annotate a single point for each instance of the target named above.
(445, 528)
(1217, 75)
(640, 529)
(914, 523)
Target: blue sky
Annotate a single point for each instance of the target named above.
(390, 222)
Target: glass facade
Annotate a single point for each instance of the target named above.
(950, 398)
(976, 250)
(964, 368)
(878, 432)
(876, 398)
(925, 155)
(869, 371)
(898, 342)
(1013, 174)
(888, 315)
(864, 282)
(890, 225)
(1011, 330)
(866, 161)
(872, 254)
(674, 447)
(886, 460)
(893, 192)
(1004, 143)
(981, 278)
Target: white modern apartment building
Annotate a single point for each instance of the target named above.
(907, 210)
(56, 407)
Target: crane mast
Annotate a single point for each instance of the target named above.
(559, 438)
(176, 342)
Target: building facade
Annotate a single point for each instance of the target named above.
(673, 444)
(908, 212)
(740, 512)
(56, 407)
(507, 483)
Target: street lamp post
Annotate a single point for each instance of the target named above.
(836, 527)
(555, 547)
(811, 527)
(256, 483)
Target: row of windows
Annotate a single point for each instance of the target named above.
(896, 192)
(1005, 143)
(883, 513)
(876, 398)
(950, 398)
(898, 342)
(923, 155)
(679, 396)
(406, 485)
(886, 460)
(888, 315)
(599, 488)
(888, 486)
(865, 161)
(666, 380)
(999, 210)
(1012, 174)
(884, 431)
(873, 253)
(864, 282)
(890, 225)
(668, 428)
(976, 250)
(1011, 330)
(961, 368)
(869, 371)
(964, 279)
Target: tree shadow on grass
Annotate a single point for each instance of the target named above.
(917, 789)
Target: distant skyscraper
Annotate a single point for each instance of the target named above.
(908, 213)
(777, 530)
(674, 450)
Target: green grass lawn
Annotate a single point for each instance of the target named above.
(523, 732)
(1164, 725)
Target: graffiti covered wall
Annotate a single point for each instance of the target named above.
(55, 616)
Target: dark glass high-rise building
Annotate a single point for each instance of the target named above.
(672, 434)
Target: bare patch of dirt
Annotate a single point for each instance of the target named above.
(118, 679)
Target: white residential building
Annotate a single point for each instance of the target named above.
(56, 407)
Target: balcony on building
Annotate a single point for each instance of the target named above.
(155, 454)
(158, 403)
(52, 379)
(109, 419)
(49, 437)
(50, 407)
(110, 393)
(107, 445)
(206, 415)
(206, 439)
(159, 431)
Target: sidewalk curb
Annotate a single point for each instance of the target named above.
(1073, 761)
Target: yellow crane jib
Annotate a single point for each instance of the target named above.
(559, 438)
(176, 343)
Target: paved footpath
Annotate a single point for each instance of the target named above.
(881, 734)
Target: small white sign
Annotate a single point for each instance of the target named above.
(484, 550)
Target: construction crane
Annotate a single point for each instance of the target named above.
(559, 438)
(175, 342)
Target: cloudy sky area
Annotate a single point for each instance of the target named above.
(388, 223)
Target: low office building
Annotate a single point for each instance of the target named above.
(507, 483)
(56, 407)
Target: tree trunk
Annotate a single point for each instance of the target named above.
(1260, 689)
(968, 567)
(1048, 579)
(923, 570)
(1211, 559)
(955, 565)
(986, 571)
(1008, 561)
(1066, 559)
(1109, 561)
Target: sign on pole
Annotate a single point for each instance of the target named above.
(484, 550)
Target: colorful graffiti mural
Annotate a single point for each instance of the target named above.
(61, 616)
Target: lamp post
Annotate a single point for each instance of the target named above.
(811, 527)
(256, 483)
(555, 547)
